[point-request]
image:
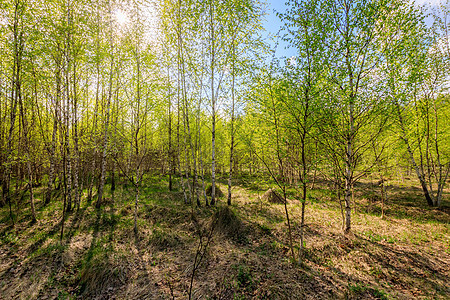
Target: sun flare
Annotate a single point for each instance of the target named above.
(121, 17)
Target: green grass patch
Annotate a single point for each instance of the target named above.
(375, 237)
(361, 291)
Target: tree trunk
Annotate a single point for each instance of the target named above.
(76, 150)
(423, 184)
(383, 195)
(232, 127)
(30, 188)
(26, 141)
(348, 176)
(136, 200)
(52, 156)
(18, 44)
(170, 156)
(108, 111)
(213, 117)
(64, 194)
(200, 156)
(94, 140)
(67, 144)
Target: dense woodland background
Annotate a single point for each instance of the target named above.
(124, 115)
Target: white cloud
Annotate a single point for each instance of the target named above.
(429, 2)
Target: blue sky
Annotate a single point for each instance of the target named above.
(273, 24)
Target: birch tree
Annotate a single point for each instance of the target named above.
(352, 31)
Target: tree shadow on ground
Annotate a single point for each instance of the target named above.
(404, 267)
(403, 202)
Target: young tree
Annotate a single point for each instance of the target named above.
(303, 80)
(108, 108)
(16, 46)
(270, 114)
(415, 77)
(243, 26)
(352, 116)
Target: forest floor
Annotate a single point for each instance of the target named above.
(405, 255)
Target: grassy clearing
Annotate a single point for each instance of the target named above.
(403, 256)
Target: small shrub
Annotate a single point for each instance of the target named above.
(265, 229)
(102, 274)
(228, 223)
(272, 197)
(125, 211)
(163, 239)
(217, 192)
(357, 288)
(276, 245)
(312, 199)
(244, 277)
(379, 294)
(361, 291)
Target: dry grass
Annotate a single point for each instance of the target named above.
(403, 256)
(272, 197)
(217, 191)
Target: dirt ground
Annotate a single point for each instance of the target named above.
(241, 253)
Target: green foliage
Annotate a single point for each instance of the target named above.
(265, 229)
(9, 237)
(374, 237)
(244, 277)
(360, 290)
